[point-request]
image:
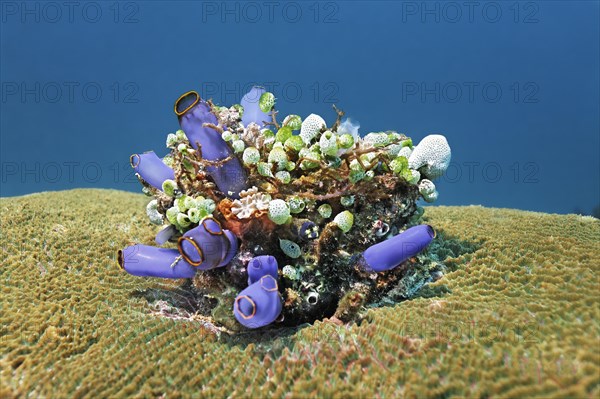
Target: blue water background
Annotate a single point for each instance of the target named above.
(514, 86)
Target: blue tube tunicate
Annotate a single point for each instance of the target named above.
(151, 168)
(148, 261)
(259, 304)
(260, 266)
(193, 113)
(252, 112)
(391, 253)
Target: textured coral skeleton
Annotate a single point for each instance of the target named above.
(287, 222)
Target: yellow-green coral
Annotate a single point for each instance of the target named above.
(516, 318)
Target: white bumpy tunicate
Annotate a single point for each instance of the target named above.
(431, 156)
(427, 190)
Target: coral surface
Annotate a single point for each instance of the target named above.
(516, 315)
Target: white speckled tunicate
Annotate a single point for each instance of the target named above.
(279, 211)
(431, 156)
(290, 248)
(311, 127)
(427, 190)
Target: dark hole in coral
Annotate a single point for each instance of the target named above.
(120, 259)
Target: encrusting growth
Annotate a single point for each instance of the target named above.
(295, 219)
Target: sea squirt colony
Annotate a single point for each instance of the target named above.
(287, 221)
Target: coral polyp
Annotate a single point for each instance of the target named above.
(281, 223)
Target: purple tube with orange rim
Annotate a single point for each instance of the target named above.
(151, 168)
(227, 171)
(259, 304)
(147, 261)
(208, 246)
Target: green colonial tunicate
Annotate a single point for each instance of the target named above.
(356, 175)
(344, 221)
(279, 211)
(251, 156)
(415, 176)
(284, 133)
(296, 204)
(290, 166)
(279, 157)
(153, 214)
(182, 148)
(377, 139)
(266, 101)
(265, 169)
(293, 121)
(226, 135)
(169, 187)
(325, 211)
(238, 146)
(183, 220)
(290, 272)
(171, 214)
(180, 135)
(328, 143)
(196, 214)
(398, 164)
(172, 140)
(369, 175)
(283, 176)
(239, 109)
(208, 204)
(169, 161)
(334, 162)
(347, 200)
(294, 143)
(290, 248)
(311, 159)
(346, 141)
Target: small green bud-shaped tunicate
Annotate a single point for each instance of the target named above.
(368, 158)
(335, 162)
(238, 146)
(279, 211)
(251, 156)
(294, 143)
(290, 272)
(169, 187)
(415, 176)
(290, 166)
(325, 211)
(347, 200)
(356, 175)
(208, 204)
(398, 165)
(293, 121)
(238, 108)
(328, 143)
(377, 139)
(153, 214)
(283, 176)
(311, 159)
(279, 157)
(172, 213)
(182, 148)
(226, 135)
(172, 140)
(284, 133)
(180, 135)
(168, 160)
(265, 169)
(405, 152)
(181, 204)
(407, 143)
(183, 220)
(369, 175)
(344, 221)
(290, 248)
(346, 141)
(189, 202)
(266, 101)
(197, 214)
(296, 204)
